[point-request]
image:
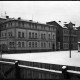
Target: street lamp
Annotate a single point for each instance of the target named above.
(70, 27)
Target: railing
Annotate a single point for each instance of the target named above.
(19, 71)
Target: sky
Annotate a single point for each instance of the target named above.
(42, 11)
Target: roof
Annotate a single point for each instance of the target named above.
(30, 21)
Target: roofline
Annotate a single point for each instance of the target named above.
(12, 19)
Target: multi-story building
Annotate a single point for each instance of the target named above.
(27, 35)
(59, 34)
(62, 35)
(66, 36)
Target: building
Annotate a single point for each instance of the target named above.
(62, 35)
(20, 35)
(78, 38)
(59, 34)
(66, 36)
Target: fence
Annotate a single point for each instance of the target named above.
(11, 69)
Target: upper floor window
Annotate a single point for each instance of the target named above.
(41, 36)
(35, 26)
(35, 35)
(23, 24)
(19, 34)
(29, 34)
(44, 36)
(53, 37)
(49, 36)
(22, 34)
(32, 35)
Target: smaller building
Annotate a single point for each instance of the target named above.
(62, 35)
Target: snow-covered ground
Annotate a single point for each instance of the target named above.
(58, 57)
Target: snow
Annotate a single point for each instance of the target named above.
(56, 57)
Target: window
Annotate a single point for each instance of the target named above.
(53, 36)
(41, 44)
(22, 44)
(11, 24)
(29, 44)
(10, 44)
(22, 34)
(44, 36)
(2, 34)
(49, 36)
(22, 24)
(9, 33)
(32, 44)
(32, 35)
(35, 44)
(35, 35)
(49, 44)
(13, 44)
(44, 44)
(5, 34)
(19, 44)
(35, 26)
(19, 34)
(29, 34)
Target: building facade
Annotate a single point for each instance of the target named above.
(59, 35)
(24, 35)
(74, 38)
(62, 35)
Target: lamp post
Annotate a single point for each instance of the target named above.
(70, 27)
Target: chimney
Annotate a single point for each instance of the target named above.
(19, 18)
(7, 17)
(60, 21)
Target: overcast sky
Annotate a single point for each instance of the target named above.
(43, 11)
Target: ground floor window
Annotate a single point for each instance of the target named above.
(66, 46)
(11, 44)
